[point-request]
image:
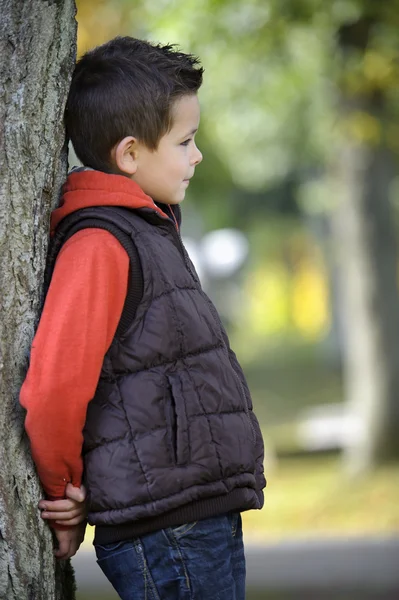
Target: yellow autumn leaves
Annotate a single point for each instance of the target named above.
(281, 300)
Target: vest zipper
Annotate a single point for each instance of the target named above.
(176, 233)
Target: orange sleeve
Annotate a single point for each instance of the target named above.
(79, 319)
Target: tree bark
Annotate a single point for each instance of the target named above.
(364, 232)
(37, 48)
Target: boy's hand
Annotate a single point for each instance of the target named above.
(69, 541)
(71, 511)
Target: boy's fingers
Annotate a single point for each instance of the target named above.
(58, 505)
(68, 542)
(75, 521)
(62, 551)
(63, 516)
(75, 493)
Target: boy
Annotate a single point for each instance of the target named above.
(130, 364)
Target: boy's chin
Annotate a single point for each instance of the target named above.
(176, 200)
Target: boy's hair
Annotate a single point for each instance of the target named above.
(126, 87)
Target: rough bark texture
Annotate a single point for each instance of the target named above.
(37, 49)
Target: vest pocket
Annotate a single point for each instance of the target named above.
(177, 421)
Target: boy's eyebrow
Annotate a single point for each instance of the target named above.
(192, 132)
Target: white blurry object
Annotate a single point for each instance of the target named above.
(327, 427)
(223, 252)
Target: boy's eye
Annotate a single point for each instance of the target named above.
(186, 142)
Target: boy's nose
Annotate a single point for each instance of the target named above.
(197, 157)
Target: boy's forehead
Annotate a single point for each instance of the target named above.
(186, 113)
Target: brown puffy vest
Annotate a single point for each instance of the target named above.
(171, 422)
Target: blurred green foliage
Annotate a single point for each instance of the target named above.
(272, 73)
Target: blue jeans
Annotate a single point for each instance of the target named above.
(203, 560)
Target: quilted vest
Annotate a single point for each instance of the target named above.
(171, 421)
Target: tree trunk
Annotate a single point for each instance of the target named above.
(37, 48)
(364, 232)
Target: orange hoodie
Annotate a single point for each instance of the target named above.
(79, 319)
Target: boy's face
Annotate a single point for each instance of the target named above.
(164, 173)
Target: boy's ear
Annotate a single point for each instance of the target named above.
(124, 155)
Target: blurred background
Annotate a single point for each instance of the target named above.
(292, 222)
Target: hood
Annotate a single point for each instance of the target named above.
(94, 188)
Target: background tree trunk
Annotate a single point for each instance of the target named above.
(37, 49)
(364, 231)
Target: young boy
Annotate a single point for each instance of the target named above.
(132, 384)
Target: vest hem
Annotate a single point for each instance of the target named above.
(239, 499)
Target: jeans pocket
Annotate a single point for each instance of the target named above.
(108, 550)
(181, 530)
